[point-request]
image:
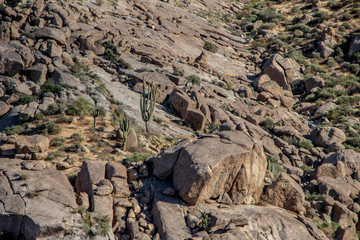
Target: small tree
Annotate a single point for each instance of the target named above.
(125, 126)
(147, 103)
(98, 111)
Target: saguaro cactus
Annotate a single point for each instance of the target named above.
(147, 103)
(125, 126)
(98, 111)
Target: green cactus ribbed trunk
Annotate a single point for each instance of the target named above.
(147, 103)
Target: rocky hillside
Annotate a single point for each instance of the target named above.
(253, 133)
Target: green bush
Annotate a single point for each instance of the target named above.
(137, 157)
(210, 47)
(80, 107)
(50, 87)
(307, 144)
(57, 141)
(194, 79)
(47, 128)
(25, 99)
(268, 124)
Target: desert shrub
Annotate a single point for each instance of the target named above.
(268, 124)
(194, 79)
(50, 87)
(57, 141)
(137, 157)
(47, 128)
(307, 144)
(80, 107)
(25, 99)
(52, 109)
(211, 47)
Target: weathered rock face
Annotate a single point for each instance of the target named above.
(209, 167)
(41, 210)
(253, 222)
(286, 193)
(282, 70)
(326, 136)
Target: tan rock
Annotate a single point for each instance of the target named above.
(32, 144)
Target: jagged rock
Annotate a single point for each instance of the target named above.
(51, 33)
(282, 70)
(325, 136)
(314, 82)
(32, 144)
(286, 193)
(350, 159)
(210, 166)
(10, 62)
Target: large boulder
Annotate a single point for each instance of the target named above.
(314, 82)
(196, 119)
(209, 167)
(181, 103)
(51, 33)
(10, 62)
(348, 157)
(282, 70)
(32, 144)
(325, 136)
(4, 108)
(324, 109)
(286, 193)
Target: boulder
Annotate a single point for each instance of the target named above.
(324, 109)
(181, 103)
(314, 82)
(4, 108)
(165, 161)
(196, 119)
(38, 73)
(132, 141)
(92, 172)
(209, 167)
(342, 215)
(287, 102)
(348, 157)
(32, 144)
(282, 70)
(271, 87)
(10, 61)
(51, 33)
(286, 193)
(325, 136)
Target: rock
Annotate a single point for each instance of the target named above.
(282, 70)
(344, 186)
(349, 157)
(354, 45)
(286, 193)
(92, 172)
(10, 62)
(325, 51)
(61, 76)
(4, 108)
(325, 136)
(287, 102)
(343, 216)
(330, 170)
(32, 144)
(165, 161)
(104, 187)
(196, 119)
(208, 167)
(271, 87)
(115, 170)
(168, 218)
(181, 103)
(51, 33)
(132, 141)
(121, 188)
(38, 73)
(324, 109)
(284, 130)
(314, 82)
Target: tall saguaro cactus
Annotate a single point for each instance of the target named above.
(147, 103)
(125, 126)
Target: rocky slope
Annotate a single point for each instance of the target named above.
(234, 151)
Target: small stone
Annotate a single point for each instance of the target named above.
(170, 192)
